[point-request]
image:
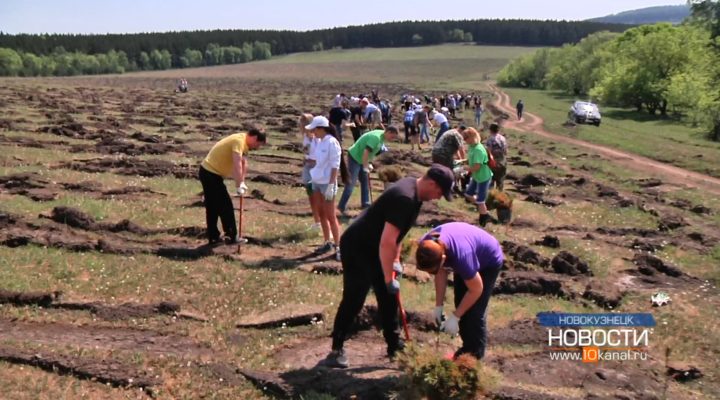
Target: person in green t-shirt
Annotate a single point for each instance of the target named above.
(359, 156)
(480, 172)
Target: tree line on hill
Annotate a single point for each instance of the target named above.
(60, 62)
(662, 69)
(64, 54)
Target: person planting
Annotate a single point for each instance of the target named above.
(448, 148)
(226, 159)
(475, 258)
(360, 155)
(370, 255)
(480, 173)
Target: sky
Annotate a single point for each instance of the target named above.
(129, 16)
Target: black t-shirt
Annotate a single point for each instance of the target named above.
(337, 115)
(355, 111)
(398, 205)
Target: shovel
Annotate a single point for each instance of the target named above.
(240, 224)
(403, 316)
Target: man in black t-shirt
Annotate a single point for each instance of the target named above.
(356, 116)
(337, 116)
(370, 253)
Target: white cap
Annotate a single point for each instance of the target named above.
(318, 121)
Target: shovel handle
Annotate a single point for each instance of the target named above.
(403, 316)
(240, 224)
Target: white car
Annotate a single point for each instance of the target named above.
(583, 112)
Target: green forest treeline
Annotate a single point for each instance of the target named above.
(60, 62)
(55, 54)
(662, 69)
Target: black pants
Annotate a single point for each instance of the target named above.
(358, 276)
(217, 204)
(410, 131)
(356, 133)
(473, 329)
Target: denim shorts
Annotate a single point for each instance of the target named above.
(479, 189)
(319, 187)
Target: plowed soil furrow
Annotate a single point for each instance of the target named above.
(92, 337)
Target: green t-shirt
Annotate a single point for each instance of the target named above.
(478, 155)
(372, 140)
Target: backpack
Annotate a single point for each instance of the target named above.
(495, 146)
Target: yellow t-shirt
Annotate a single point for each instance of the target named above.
(220, 158)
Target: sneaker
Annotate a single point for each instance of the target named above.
(215, 241)
(337, 255)
(328, 246)
(336, 359)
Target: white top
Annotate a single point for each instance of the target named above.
(327, 155)
(440, 118)
(308, 146)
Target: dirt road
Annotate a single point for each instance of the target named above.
(669, 173)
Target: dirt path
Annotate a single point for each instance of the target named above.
(534, 124)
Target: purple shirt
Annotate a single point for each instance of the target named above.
(469, 249)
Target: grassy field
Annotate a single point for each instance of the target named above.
(431, 67)
(42, 255)
(662, 139)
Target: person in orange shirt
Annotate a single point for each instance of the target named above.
(226, 159)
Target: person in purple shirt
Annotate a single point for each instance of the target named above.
(475, 257)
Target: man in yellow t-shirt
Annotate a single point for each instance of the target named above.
(226, 159)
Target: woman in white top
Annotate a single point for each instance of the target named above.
(441, 120)
(309, 143)
(326, 162)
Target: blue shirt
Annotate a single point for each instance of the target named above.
(371, 108)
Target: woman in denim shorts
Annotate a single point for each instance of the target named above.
(480, 172)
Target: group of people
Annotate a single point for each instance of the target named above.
(371, 258)
(484, 164)
(370, 247)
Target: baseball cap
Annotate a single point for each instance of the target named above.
(444, 178)
(318, 122)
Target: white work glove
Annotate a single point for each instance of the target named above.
(451, 325)
(398, 269)
(393, 287)
(330, 192)
(369, 169)
(242, 189)
(438, 315)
